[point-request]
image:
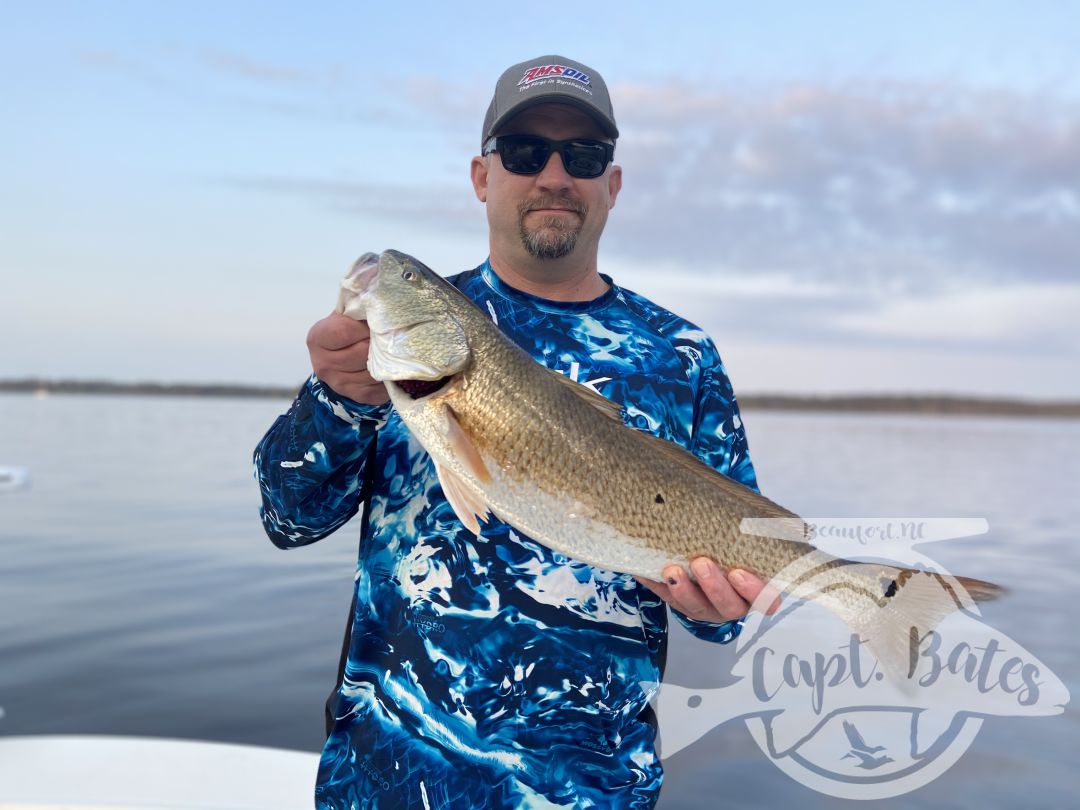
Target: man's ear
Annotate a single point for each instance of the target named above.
(478, 169)
(614, 184)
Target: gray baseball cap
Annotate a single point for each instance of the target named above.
(549, 79)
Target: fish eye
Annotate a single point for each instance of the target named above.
(409, 275)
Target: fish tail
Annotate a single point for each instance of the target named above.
(893, 610)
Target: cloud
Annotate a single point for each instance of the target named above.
(882, 186)
(453, 106)
(890, 212)
(239, 65)
(117, 63)
(448, 208)
(221, 61)
(1034, 317)
(874, 184)
(212, 79)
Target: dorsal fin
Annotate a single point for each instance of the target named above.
(597, 400)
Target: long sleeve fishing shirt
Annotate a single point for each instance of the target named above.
(491, 671)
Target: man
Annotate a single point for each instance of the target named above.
(491, 671)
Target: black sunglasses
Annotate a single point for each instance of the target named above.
(528, 154)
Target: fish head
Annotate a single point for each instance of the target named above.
(412, 314)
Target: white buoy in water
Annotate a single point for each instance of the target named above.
(13, 478)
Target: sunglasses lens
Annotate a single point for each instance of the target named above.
(523, 154)
(585, 159)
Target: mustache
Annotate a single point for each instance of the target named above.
(560, 201)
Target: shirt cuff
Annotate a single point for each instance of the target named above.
(720, 633)
(347, 410)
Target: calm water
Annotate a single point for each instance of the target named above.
(138, 594)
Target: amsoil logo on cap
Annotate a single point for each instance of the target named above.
(548, 71)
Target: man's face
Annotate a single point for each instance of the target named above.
(551, 214)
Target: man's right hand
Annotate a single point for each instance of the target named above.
(338, 346)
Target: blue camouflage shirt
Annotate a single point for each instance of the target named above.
(492, 671)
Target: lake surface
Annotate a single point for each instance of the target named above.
(139, 595)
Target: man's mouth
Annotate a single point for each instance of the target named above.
(553, 211)
(552, 207)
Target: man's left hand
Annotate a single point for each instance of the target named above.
(715, 597)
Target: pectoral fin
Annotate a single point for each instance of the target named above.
(466, 503)
(462, 446)
(467, 506)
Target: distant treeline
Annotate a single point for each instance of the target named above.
(39, 386)
(911, 403)
(862, 403)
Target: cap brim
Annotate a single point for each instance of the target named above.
(606, 125)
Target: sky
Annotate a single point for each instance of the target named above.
(849, 197)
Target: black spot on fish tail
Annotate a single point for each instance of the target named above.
(421, 388)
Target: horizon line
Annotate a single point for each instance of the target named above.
(909, 402)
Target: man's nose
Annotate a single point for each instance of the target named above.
(554, 175)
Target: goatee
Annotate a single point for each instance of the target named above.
(553, 237)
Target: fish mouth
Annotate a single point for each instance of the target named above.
(418, 389)
(363, 272)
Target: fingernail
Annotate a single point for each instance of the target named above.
(702, 568)
(737, 577)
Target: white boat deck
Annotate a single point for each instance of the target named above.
(85, 772)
